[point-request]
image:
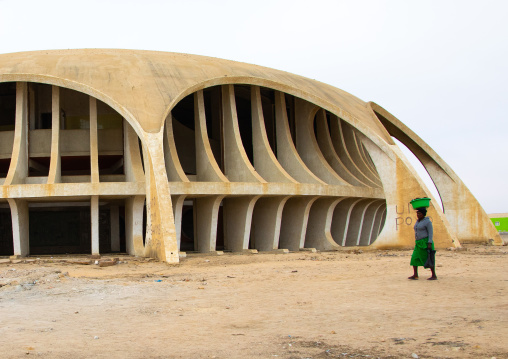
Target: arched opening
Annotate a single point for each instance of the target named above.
(422, 172)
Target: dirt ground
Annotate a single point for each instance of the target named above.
(348, 304)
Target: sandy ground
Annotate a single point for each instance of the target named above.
(349, 304)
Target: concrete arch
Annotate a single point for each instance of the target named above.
(76, 86)
(458, 201)
(287, 89)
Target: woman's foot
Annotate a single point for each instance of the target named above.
(413, 277)
(432, 278)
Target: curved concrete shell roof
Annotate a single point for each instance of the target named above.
(147, 84)
(287, 162)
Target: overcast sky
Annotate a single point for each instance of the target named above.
(441, 67)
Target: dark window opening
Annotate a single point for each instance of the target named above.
(38, 166)
(111, 165)
(6, 243)
(7, 106)
(187, 229)
(183, 112)
(40, 106)
(268, 103)
(144, 222)
(243, 111)
(60, 230)
(290, 109)
(75, 166)
(4, 167)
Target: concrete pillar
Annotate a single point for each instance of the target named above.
(134, 225)
(160, 240)
(342, 151)
(237, 166)
(318, 234)
(287, 155)
(94, 150)
(177, 202)
(94, 218)
(294, 222)
(265, 162)
(368, 223)
(206, 213)
(20, 226)
(55, 172)
(352, 146)
(18, 169)
(328, 151)
(237, 222)
(266, 222)
(307, 146)
(114, 215)
(356, 223)
(341, 219)
(207, 168)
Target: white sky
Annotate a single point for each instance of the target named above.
(441, 67)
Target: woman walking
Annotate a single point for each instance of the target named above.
(423, 243)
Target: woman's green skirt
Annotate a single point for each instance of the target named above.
(420, 252)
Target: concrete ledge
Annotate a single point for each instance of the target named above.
(203, 254)
(312, 250)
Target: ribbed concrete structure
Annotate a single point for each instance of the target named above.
(156, 153)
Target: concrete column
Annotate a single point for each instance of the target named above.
(341, 219)
(266, 222)
(368, 223)
(318, 234)
(177, 202)
(377, 222)
(160, 240)
(114, 214)
(173, 166)
(207, 168)
(94, 218)
(94, 150)
(351, 143)
(18, 169)
(287, 155)
(206, 216)
(356, 222)
(134, 225)
(307, 146)
(382, 222)
(265, 162)
(20, 222)
(237, 221)
(294, 222)
(328, 151)
(366, 159)
(55, 172)
(237, 166)
(342, 151)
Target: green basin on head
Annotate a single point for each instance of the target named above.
(420, 202)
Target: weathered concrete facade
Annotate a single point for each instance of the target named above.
(156, 153)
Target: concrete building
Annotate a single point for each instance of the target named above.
(155, 153)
